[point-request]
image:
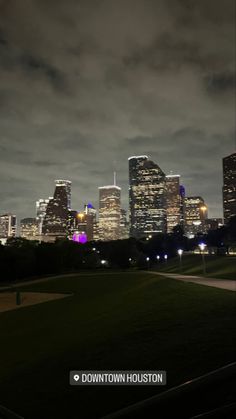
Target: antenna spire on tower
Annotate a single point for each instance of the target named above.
(114, 178)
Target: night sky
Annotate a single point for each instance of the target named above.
(86, 84)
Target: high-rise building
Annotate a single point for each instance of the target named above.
(124, 225)
(82, 222)
(147, 189)
(182, 205)
(173, 202)
(91, 216)
(109, 212)
(8, 226)
(229, 186)
(213, 223)
(29, 228)
(67, 185)
(55, 223)
(41, 208)
(195, 215)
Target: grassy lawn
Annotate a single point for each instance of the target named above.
(216, 266)
(113, 321)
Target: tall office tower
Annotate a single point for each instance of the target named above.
(229, 187)
(41, 208)
(8, 226)
(182, 205)
(213, 223)
(147, 189)
(195, 215)
(82, 222)
(124, 225)
(55, 223)
(109, 212)
(67, 185)
(91, 216)
(72, 222)
(173, 202)
(29, 228)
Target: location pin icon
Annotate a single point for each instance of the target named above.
(76, 377)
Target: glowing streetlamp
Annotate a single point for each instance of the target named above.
(202, 248)
(166, 258)
(158, 258)
(180, 253)
(148, 262)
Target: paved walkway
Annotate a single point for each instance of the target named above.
(226, 284)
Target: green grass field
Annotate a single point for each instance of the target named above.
(216, 266)
(113, 321)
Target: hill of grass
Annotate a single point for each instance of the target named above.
(113, 321)
(216, 266)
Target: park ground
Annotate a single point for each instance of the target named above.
(112, 321)
(222, 267)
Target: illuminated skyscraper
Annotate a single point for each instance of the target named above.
(55, 223)
(229, 187)
(8, 226)
(29, 228)
(173, 202)
(67, 185)
(91, 216)
(182, 205)
(195, 215)
(146, 197)
(41, 208)
(124, 225)
(109, 212)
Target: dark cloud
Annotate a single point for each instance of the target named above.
(84, 84)
(221, 82)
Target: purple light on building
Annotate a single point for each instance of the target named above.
(80, 238)
(83, 238)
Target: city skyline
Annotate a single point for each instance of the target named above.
(83, 83)
(125, 195)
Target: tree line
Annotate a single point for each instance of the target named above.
(22, 259)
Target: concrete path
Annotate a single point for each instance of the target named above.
(226, 284)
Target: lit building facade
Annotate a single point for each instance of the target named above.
(173, 202)
(213, 223)
(195, 215)
(124, 225)
(182, 206)
(41, 208)
(29, 228)
(55, 223)
(8, 226)
(147, 190)
(66, 184)
(82, 222)
(109, 213)
(229, 187)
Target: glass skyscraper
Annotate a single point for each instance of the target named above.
(195, 215)
(8, 226)
(229, 186)
(55, 222)
(147, 194)
(109, 212)
(173, 202)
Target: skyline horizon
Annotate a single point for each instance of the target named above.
(126, 206)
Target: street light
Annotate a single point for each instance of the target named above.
(202, 248)
(148, 262)
(180, 253)
(158, 257)
(166, 257)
